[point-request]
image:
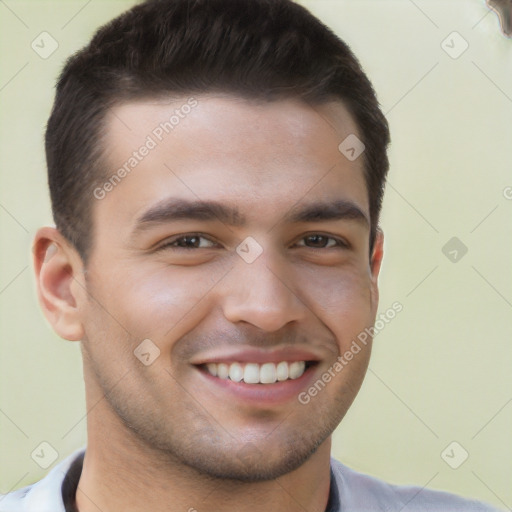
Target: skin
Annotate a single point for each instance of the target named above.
(162, 437)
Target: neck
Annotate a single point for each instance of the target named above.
(120, 472)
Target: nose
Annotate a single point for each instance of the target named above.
(263, 294)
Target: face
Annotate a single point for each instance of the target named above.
(237, 246)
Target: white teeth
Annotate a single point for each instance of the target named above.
(222, 371)
(254, 373)
(212, 369)
(236, 372)
(282, 371)
(251, 373)
(296, 369)
(268, 373)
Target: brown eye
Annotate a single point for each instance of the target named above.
(188, 242)
(318, 241)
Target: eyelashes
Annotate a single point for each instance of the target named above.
(321, 238)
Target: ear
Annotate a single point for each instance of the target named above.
(375, 264)
(59, 275)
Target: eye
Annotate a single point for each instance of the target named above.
(319, 241)
(191, 241)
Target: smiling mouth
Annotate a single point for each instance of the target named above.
(255, 373)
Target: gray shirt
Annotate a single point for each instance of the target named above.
(350, 491)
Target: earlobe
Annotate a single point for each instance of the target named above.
(57, 267)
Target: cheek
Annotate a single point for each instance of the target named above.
(341, 300)
(337, 291)
(158, 303)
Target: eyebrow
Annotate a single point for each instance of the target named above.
(172, 209)
(340, 209)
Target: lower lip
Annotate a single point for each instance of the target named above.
(265, 394)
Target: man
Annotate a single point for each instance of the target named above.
(216, 169)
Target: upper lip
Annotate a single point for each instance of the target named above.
(253, 355)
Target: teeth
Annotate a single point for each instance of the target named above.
(251, 373)
(282, 371)
(254, 373)
(236, 372)
(212, 369)
(268, 373)
(296, 369)
(222, 371)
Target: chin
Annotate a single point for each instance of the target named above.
(252, 462)
(250, 467)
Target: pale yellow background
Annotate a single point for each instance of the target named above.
(441, 368)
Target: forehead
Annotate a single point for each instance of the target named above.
(229, 149)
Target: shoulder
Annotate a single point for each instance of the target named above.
(42, 496)
(363, 493)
